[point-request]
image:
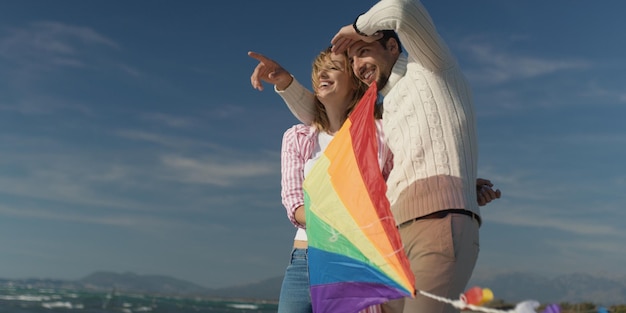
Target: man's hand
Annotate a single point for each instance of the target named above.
(484, 191)
(347, 36)
(270, 71)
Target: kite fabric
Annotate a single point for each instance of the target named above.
(355, 255)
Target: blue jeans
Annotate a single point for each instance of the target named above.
(295, 296)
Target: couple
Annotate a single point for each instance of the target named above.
(428, 126)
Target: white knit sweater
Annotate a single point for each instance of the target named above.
(428, 116)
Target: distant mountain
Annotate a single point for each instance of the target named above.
(141, 283)
(509, 287)
(572, 288)
(268, 289)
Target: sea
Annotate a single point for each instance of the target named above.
(37, 300)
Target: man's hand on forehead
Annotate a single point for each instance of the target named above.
(347, 36)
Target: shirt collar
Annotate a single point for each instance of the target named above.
(307, 131)
(397, 72)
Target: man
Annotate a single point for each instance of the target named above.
(430, 127)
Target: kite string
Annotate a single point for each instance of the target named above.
(461, 304)
(372, 224)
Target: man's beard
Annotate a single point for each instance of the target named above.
(381, 82)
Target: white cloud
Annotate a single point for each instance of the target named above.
(612, 139)
(614, 247)
(495, 66)
(169, 141)
(67, 180)
(51, 43)
(38, 55)
(144, 222)
(179, 173)
(160, 139)
(74, 216)
(528, 216)
(114, 189)
(225, 111)
(35, 103)
(214, 171)
(538, 199)
(602, 92)
(170, 120)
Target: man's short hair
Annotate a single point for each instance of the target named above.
(390, 34)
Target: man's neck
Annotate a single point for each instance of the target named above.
(398, 71)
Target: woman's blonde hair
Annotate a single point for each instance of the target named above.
(320, 120)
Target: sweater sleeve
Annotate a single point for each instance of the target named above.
(292, 174)
(300, 101)
(415, 28)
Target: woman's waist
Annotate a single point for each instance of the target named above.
(300, 244)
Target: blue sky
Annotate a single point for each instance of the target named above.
(131, 139)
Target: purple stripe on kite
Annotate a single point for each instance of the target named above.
(350, 297)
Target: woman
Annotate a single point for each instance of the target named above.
(337, 91)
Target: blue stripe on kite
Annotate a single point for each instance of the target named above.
(341, 269)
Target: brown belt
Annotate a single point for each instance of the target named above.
(442, 214)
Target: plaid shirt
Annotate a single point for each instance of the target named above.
(298, 144)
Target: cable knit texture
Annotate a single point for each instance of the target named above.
(428, 117)
(297, 94)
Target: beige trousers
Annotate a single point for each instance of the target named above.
(442, 253)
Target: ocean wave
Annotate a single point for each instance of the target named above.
(244, 306)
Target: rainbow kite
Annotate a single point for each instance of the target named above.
(355, 255)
